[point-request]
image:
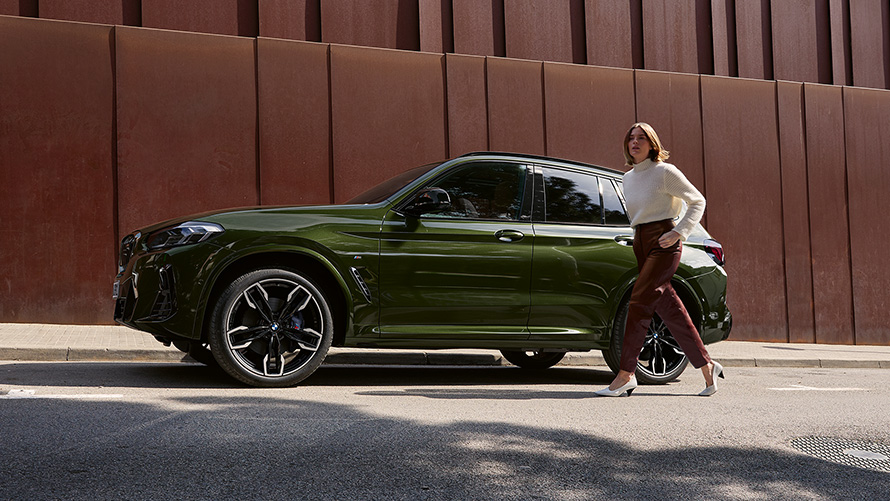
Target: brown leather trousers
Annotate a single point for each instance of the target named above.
(653, 293)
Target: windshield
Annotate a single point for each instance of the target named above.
(389, 187)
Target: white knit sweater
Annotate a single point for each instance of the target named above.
(656, 190)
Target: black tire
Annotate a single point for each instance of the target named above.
(661, 359)
(533, 359)
(271, 328)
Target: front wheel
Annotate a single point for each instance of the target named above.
(271, 327)
(533, 359)
(661, 359)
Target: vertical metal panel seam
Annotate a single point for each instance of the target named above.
(769, 66)
(544, 107)
(115, 197)
(782, 210)
(445, 104)
(256, 76)
(487, 106)
(701, 119)
(847, 207)
(330, 63)
(806, 161)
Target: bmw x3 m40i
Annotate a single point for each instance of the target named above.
(524, 254)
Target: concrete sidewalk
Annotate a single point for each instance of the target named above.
(103, 343)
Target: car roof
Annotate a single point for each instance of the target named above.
(541, 158)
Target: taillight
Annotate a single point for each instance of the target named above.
(715, 250)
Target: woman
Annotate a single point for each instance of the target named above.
(655, 192)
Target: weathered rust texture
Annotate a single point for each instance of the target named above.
(294, 121)
(829, 232)
(795, 213)
(93, 11)
(546, 30)
(614, 33)
(392, 24)
(24, 8)
(388, 111)
(744, 189)
(515, 106)
(186, 124)
(723, 27)
(867, 156)
(841, 60)
(290, 19)
(801, 40)
(57, 235)
(754, 40)
(467, 116)
(677, 36)
(436, 30)
(479, 27)
(224, 17)
(588, 109)
(870, 43)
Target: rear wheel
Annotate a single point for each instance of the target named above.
(533, 359)
(271, 327)
(661, 359)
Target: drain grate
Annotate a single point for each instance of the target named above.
(868, 455)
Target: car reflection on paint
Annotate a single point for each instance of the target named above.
(525, 254)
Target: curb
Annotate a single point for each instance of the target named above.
(347, 356)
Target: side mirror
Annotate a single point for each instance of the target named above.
(428, 201)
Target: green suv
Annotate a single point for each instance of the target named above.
(525, 254)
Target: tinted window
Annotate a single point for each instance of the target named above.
(389, 187)
(614, 211)
(485, 190)
(571, 197)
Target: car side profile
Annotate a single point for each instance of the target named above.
(524, 254)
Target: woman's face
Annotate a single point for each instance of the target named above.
(638, 145)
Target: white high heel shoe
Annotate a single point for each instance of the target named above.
(716, 371)
(625, 390)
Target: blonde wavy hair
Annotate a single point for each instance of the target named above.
(657, 153)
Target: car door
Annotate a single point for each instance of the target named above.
(581, 254)
(462, 273)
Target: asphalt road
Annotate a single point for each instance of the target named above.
(177, 431)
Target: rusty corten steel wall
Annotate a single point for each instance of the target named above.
(870, 43)
(467, 109)
(224, 17)
(24, 8)
(479, 27)
(614, 33)
(171, 123)
(795, 213)
(290, 19)
(436, 30)
(57, 235)
(577, 97)
(546, 30)
(801, 40)
(829, 232)
(677, 36)
(744, 189)
(392, 24)
(294, 122)
(93, 11)
(866, 129)
(754, 39)
(186, 124)
(515, 106)
(388, 115)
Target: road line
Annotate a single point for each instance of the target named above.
(800, 387)
(32, 394)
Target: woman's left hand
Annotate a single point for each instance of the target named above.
(668, 239)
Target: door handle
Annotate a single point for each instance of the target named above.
(626, 240)
(509, 235)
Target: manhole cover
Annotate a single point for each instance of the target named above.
(869, 455)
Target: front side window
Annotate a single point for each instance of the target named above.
(612, 208)
(485, 190)
(571, 197)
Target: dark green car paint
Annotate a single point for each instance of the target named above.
(428, 282)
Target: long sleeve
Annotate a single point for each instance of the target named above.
(676, 185)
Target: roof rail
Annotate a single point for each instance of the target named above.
(537, 157)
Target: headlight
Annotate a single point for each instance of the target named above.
(188, 233)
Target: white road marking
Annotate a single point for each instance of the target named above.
(800, 387)
(32, 394)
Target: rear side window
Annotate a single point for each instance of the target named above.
(613, 210)
(571, 197)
